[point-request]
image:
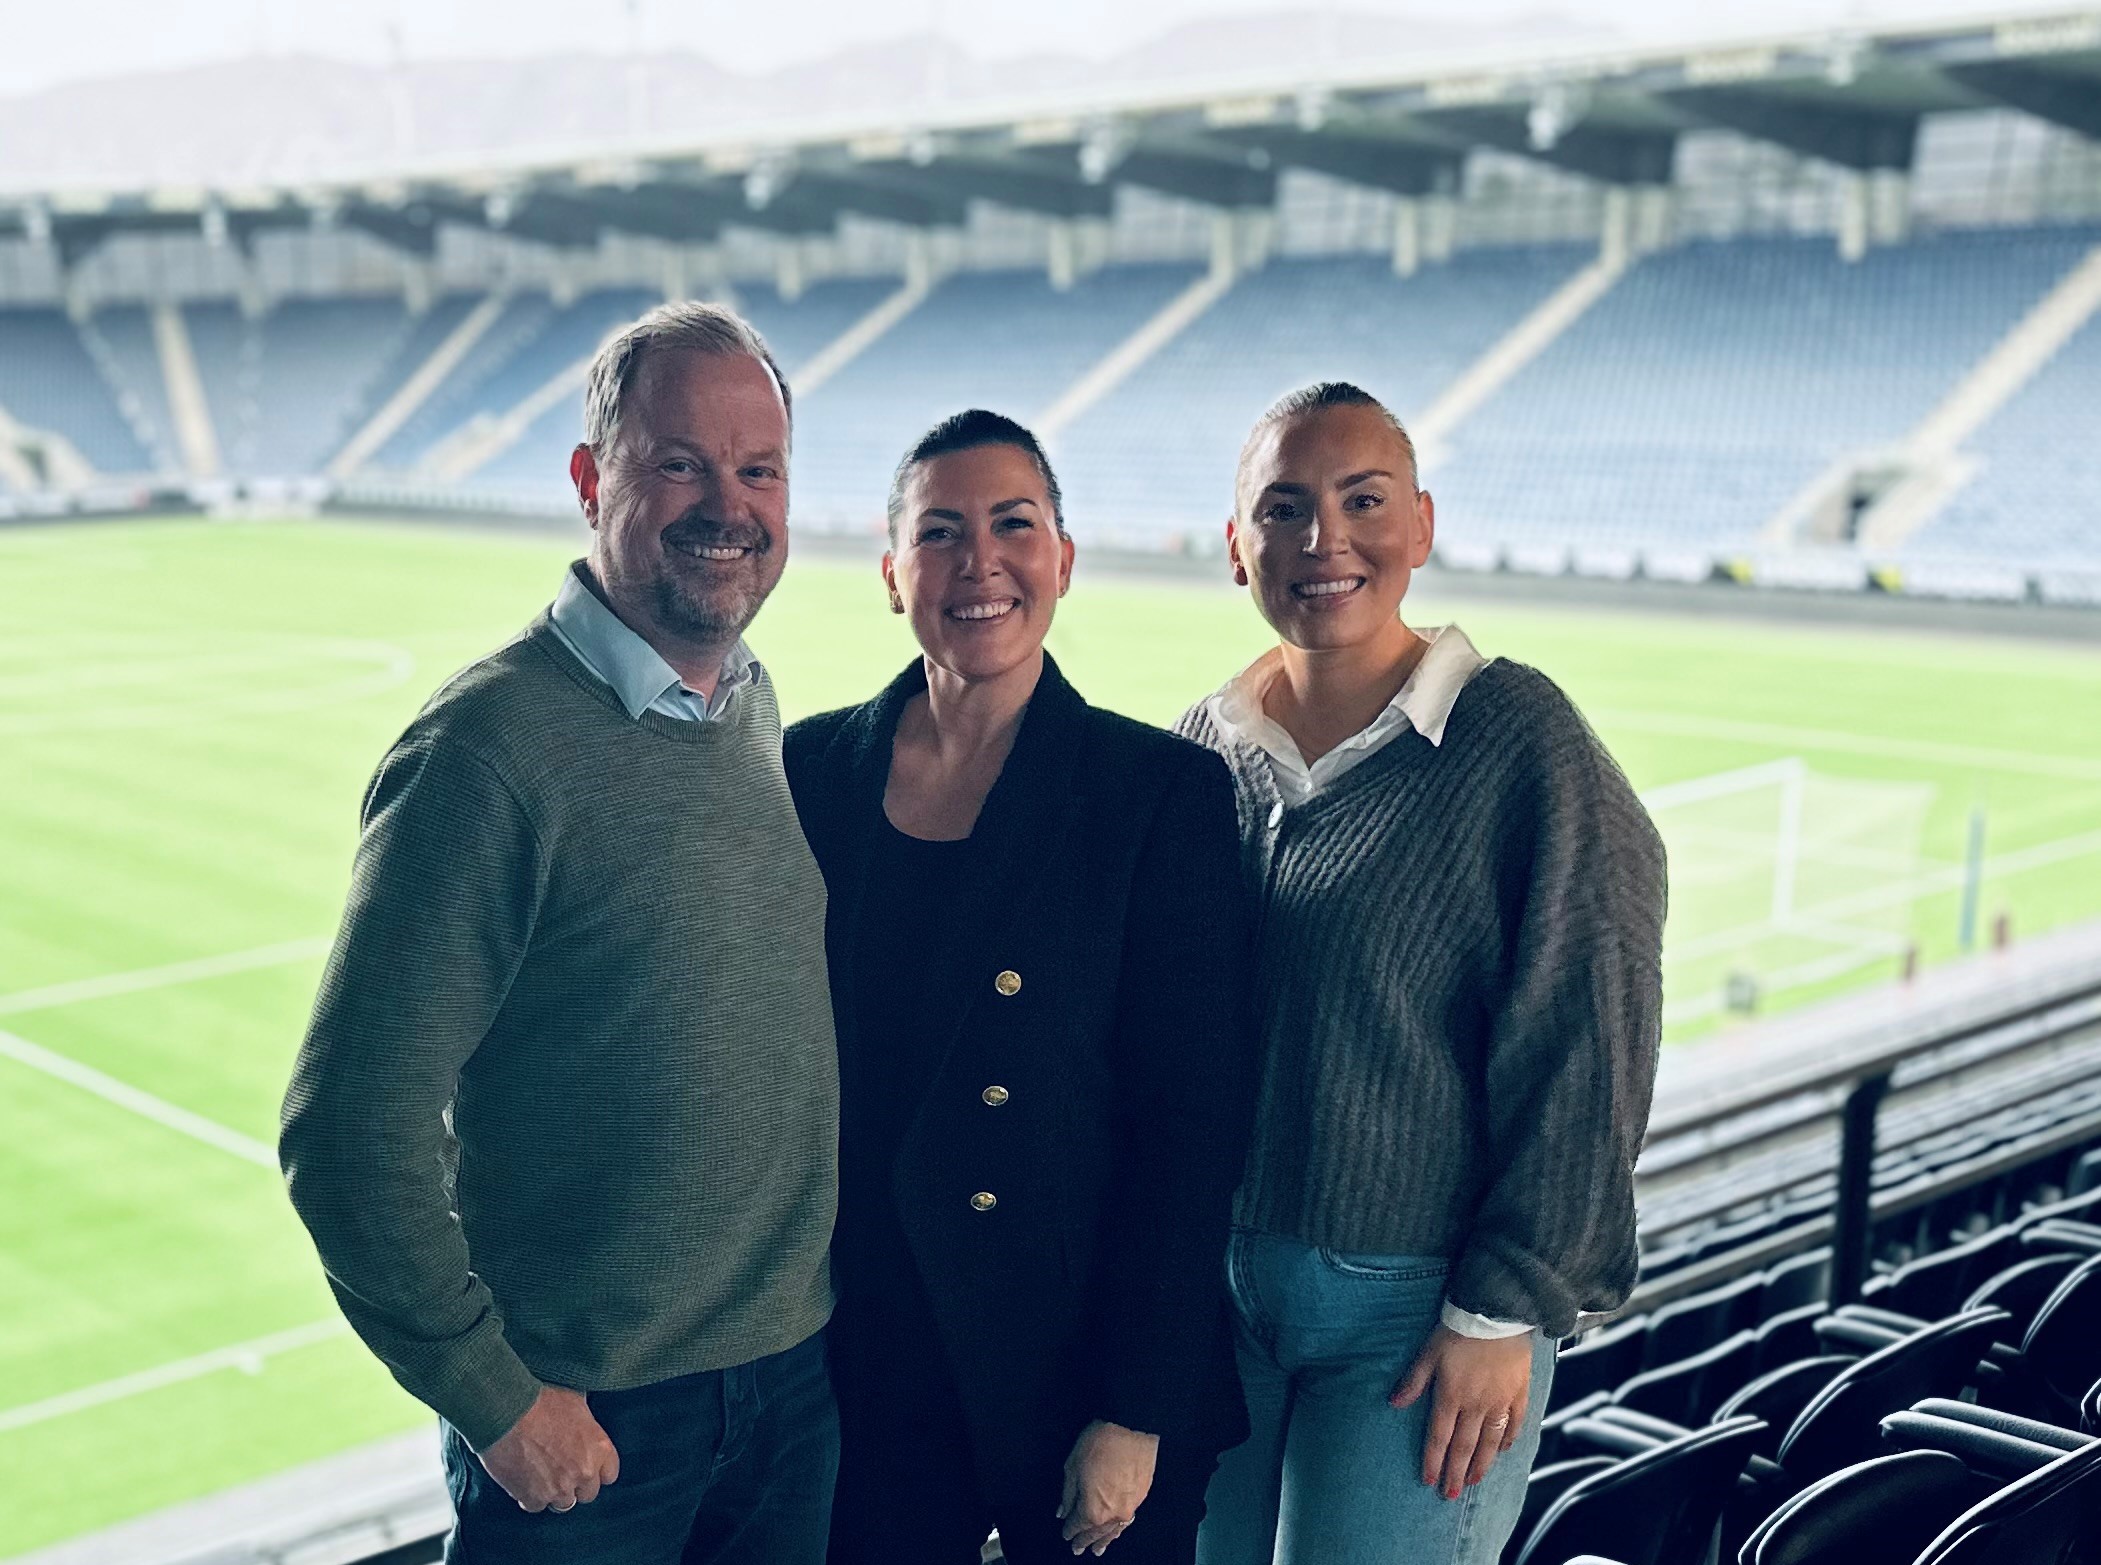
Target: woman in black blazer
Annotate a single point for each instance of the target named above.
(1038, 946)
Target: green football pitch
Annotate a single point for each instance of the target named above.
(188, 712)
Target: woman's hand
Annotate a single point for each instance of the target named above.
(1107, 1478)
(1478, 1392)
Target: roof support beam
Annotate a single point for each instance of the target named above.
(1026, 187)
(1854, 138)
(1611, 154)
(2060, 97)
(1211, 181)
(1407, 168)
(872, 197)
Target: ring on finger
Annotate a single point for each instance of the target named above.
(563, 1510)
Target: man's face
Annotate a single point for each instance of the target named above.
(1330, 528)
(689, 501)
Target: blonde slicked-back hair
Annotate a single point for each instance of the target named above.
(1311, 399)
(687, 324)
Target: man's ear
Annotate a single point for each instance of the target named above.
(583, 472)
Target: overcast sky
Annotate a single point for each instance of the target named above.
(52, 41)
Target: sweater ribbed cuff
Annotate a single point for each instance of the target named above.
(485, 1389)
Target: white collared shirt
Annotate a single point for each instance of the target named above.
(640, 677)
(1424, 703)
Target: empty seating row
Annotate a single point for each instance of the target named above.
(1754, 1442)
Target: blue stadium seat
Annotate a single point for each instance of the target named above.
(48, 380)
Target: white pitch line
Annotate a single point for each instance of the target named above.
(2028, 762)
(143, 1104)
(248, 1357)
(106, 985)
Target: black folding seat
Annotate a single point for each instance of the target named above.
(2086, 1173)
(2036, 1431)
(2084, 1207)
(1998, 1454)
(1841, 1423)
(2061, 1354)
(1553, 1427)
(1788, 1336)
(2060, 1233)
(1657, 1508)
(1697, 1322)
(1544, 1488)
(2021, 1288)
(1936, 1284)
(1778, 1396)
(1689, 1391)
(2046, 1518)
(1797, 1281)
(1880, 1512)
(1598, 1361)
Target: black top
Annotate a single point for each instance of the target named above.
(913, 888)
(1064, 1180)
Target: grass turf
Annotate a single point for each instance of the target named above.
(188, 713)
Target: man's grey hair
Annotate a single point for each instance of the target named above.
(1311, 399)
(688, 324)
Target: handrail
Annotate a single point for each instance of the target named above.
(1735, 1096)
(1906, 1057)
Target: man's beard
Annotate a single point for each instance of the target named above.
(716, 613)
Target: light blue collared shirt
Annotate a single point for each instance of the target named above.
(640, 677)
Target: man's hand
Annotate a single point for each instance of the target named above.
(556, 1457)
(1478, 1392)
(1107, 1478)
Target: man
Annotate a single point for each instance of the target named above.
(583, 924)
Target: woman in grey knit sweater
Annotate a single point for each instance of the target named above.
(1461, 916)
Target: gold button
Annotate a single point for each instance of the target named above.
(984, 1201)
(995, 1096)
(1008, 983)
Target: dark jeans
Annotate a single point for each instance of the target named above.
(730, 1467)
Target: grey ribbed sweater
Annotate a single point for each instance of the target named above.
(1461, 996)
(600, 940)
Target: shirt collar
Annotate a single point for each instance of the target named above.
(637, 671)
(1424, 702)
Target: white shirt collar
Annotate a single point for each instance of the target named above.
(640, 677)
(1424, 703)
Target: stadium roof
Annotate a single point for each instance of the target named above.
(1852, 98)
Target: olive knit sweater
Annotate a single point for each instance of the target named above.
(600, 941)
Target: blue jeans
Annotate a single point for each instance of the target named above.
(730, 1467)
(1332, 1474)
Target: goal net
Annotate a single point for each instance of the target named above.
(1783, 878)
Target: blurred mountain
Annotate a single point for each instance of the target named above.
(287, 118)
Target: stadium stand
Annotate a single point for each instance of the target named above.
(1716, 380)
(569, 336)
(284, 388)
(1155, 457)
(1002, 339)
(456, 398)
(49, 381)
(2041, 470)
(121, 338)
(536, 464)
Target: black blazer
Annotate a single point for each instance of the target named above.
(1100, 976)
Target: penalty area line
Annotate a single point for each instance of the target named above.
(248, 1357)
(139, 979)
(144, 1104)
